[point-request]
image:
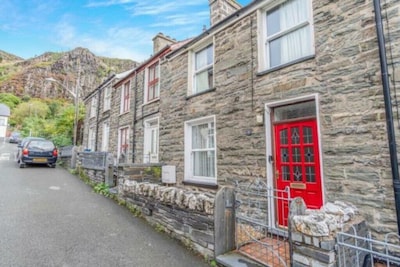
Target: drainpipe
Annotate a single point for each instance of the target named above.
(98, 118)
(134, 119)
(388, 109)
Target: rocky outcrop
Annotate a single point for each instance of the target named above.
(27, 77)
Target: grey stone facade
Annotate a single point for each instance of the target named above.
(342, 75)
(345, 74)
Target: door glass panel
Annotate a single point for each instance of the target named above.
(297, 175)
(307, 135)
(298, 110)
(285, 173)
(310, 174)
(284, 137)
(295, 135)
(296, 156)
(284, 155)
(309, 154)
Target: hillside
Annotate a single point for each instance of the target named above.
(4, 57)
(27, 77)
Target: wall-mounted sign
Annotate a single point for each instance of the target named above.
(168, 174)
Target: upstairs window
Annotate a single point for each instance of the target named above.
(125, 97)
(288, 33)
(93, 107)
(152, 82)
(203, 70)
(107, 98)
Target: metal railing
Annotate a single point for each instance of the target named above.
(362, 250)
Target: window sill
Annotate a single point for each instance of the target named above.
(199, 184)
(201, 93)
(123, 113)
(151, 101)
(285, 65)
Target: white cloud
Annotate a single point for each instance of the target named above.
(128, 43)
(109, 3)
(183, 19)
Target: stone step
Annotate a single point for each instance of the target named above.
(234, 259)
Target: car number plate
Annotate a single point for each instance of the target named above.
(39, 160)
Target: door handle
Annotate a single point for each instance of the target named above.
(276, 174)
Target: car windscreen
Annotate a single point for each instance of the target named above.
(40, 144)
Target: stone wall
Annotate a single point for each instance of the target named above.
(314, 233)
(186, 216)
(203, 221)
(344, 73)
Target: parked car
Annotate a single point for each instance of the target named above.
(38, 151)
(23, 143)
(15, 137)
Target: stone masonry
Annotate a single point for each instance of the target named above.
(345, 74)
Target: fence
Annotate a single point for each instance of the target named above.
(65, 151)
(362, 250)
(94, 160)
(256, 238)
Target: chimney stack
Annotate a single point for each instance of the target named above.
(220, 9)
(160, 41)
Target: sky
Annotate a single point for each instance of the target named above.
(110, 28)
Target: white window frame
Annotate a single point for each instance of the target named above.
(123, 139)
(125, 97)
(151, 141)
(146, 82)
(93, 107)
(265, 40)
(107, 98)
(92, 138)
(193, 73)
(105, 136)
(190, 152)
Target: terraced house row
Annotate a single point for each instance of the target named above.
(289, 93)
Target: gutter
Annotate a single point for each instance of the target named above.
(388, 109)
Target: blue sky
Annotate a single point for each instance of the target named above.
(110, 28)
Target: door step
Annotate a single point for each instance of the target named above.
(234, 259)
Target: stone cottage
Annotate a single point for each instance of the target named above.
(4, 115)
(286, 92)
(99, 113)
(137, 96)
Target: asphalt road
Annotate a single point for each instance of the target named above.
(49, 217)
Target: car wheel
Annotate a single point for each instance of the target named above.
(22, 165)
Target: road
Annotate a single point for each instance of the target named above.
(49, 217)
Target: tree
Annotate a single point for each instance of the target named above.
(33, 108)
(10, 100)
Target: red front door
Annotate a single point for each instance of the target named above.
(297, 165)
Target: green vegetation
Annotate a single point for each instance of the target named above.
(154, 171)
(10, 100)
(48, 118)
(43, 64)
(102, 189)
